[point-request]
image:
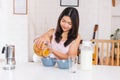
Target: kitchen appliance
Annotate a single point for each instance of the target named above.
(9, 51)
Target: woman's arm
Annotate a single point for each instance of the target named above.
(73, 50)
(46, 37)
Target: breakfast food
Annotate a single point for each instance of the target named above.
(37, 50)
(46, 52)
(43, 51)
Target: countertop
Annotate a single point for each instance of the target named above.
(36, 71)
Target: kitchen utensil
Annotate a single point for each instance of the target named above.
(9, 51)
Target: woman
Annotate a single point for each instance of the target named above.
(65, 38)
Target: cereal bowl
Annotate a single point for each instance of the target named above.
(48, 61)
(63, 64)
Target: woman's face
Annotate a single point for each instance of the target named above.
(66, 23)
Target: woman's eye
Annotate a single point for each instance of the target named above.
(63, 21)
(69, 23)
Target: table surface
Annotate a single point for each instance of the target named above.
(36, 71)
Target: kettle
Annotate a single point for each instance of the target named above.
(9, 51)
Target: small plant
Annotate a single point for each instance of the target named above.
(116, 35)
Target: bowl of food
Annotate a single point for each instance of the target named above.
(63, 64)
(48, 61)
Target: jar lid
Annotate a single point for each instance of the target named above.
(87, 43)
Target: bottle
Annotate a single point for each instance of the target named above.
(43, 51)
(46, 50)
(86, 55)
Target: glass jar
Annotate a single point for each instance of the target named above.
(43, 51)
(86, 55)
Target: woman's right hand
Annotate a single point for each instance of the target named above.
(44, 38)
(40, 40)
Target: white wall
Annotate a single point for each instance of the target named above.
(43, 14)
(13, 30)
(88, 17)
(104, 18)
(115, 16)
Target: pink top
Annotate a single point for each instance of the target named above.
(59, 46)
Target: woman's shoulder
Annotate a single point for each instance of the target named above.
(77, 40)
(78, 37)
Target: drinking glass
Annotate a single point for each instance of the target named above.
(73, 64)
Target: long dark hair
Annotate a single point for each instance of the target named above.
(72, 35)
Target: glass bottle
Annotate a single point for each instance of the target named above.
(86, 55)
(43, 51)
(46, 51)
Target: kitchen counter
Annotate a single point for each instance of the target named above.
(36, 71)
